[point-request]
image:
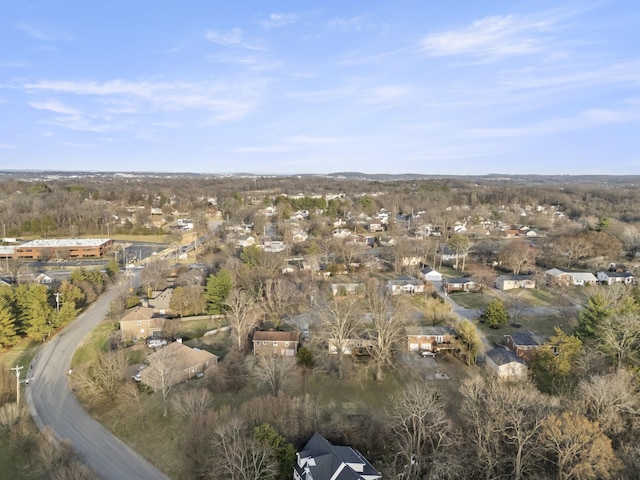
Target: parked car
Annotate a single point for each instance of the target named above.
(156, 343)
(427, 353)
(137, 377)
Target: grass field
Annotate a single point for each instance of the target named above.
(541, 324)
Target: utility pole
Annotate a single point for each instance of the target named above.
(17, 368)
(57, 295)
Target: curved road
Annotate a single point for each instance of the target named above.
(52, 404)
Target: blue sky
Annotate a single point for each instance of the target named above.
(456, 87)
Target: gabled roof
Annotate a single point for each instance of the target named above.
(618, 274)
(324, 460)
(502, 356)
(138, 313)
(516, 277)
(426, 270)
(554, 272)
(584, 277)
(276, 336)
(526, 339)
(430, 330)
(458, 280)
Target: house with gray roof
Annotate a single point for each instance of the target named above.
(506, 365)
(524, 343)
(610, 278)
(321, 460)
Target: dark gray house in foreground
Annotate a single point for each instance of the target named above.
(321, 460)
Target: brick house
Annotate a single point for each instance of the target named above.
(523, 344)
(282, 343)
(431, 338)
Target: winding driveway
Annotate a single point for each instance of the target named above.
(53, 405)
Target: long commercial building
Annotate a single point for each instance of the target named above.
(59, 248)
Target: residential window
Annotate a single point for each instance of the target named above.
(264, 342)
(286, 344)
(439, 339)
(275, 344)
(139, 322)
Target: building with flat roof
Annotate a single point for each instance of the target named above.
(58, 248)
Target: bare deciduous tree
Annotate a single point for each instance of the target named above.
(273, 370)
(242, 313)
(579, 447)
(385, 331)
(239, 456)
(612, 400)
(162, 375)
(106, 373)
(339, 324)
(192, 403)
(420, 427)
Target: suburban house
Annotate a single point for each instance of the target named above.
(428, 274)
(581, 279)
(450, 285)
(175, 363)
(506, 365)
(509, 282)
(610, 278)
(405, 284)
(321, 460)
(524, 343)
(351, 346)
(282, 343)
(159, 300)
(43, 279)
(431, 338)
(344, 289)
(558, 277)
(139, 323)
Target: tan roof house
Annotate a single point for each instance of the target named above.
(509, 282)
(159, 300)
(282, 343)
(431, 338)
(177, 362)
(139, 322)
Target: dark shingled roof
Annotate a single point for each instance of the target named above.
(330, 459)
(502, 356)
(526, 338)
(276, 336)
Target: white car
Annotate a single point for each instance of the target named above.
(156, 343)
(428, 353)
(137, 377)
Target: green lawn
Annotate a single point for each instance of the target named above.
(539, 297)
(94, 343)
(476, 301)
(540, 324)
(20, 354)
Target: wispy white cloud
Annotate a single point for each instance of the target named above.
(278, 20)
(44, 35)
(586, 119)
(314, 140)
(233, 38)
(55, 106)
(264, 149)
(492, 38)
(85, 124)
(78, 145)
(229, 100)
(353, 24)
(250, 62)
(8, 146)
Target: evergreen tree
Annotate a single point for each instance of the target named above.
(495, 314)
(8, 331)
(217, 290)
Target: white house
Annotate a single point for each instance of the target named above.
(506, 365)
(430, 275)
(610, 278)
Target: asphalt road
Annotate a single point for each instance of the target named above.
(52, 404)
